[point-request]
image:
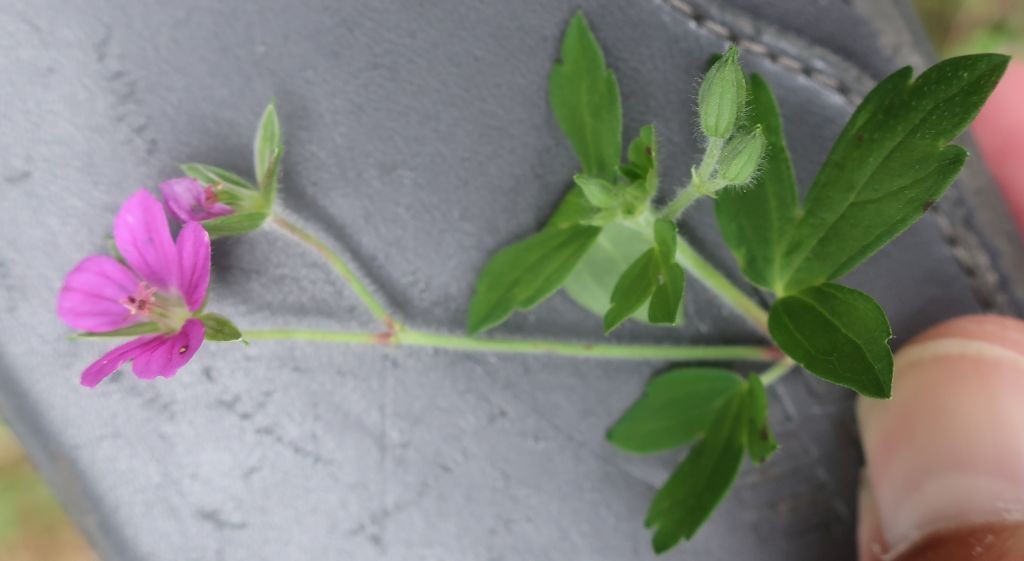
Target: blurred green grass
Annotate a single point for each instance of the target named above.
(32, 524)
(970, 26)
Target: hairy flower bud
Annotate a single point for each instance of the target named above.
(722, 95)
(741, 157)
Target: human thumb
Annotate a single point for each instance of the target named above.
(945, 456)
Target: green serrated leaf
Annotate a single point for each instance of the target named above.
(584, 98)
(267, 143)
(890, 163)
(212, 175)
(634, 287)
(523, 274)
(220, 328)
(837, 333)
(888, 166)
(145, 328)
(676, 408)
(696, 487)
(760, 441)
(592, 282)
(234, 224)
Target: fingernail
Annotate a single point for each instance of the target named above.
(947, 451)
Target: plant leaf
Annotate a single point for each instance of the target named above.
(760, 441)
(634, 287)
(696, 487)
(145, 328)
(837, 333)
(667, 299)
(653, 278)
(220, 328)
(592, 282)
(212, 175)
(675, 408)
(643, 161)
(523, 274)
(890, 163)
(267, 143)
(888, 166)
(755, 220)
(234, 224)
(584, 98)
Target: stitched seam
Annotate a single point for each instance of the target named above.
(967, 252)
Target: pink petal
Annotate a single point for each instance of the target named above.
(169, 353)
(193, 264)
(186, 199)
(114, 358)
(93, 294)
(144, 240)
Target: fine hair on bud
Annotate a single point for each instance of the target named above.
(721, 98)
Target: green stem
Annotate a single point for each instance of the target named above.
(777, 371)
(699, 182)
(339, 265)
(686, 197)
(710, 159)
(712, 278)
(418, 338)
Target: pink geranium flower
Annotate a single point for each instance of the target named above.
(164, 283)
(189, 200)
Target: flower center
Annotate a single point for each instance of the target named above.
(142, 302)
(167, 311)
(210, 196)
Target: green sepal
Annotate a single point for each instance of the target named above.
(146, 328)
(213, 175)
(220, 328)
(234, 224)
(266, 145)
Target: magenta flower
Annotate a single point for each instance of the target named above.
(189, 200)
(164, 283)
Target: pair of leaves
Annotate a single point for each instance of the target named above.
(728, 415)
(252, 204)
(654, 279)
(890, 163)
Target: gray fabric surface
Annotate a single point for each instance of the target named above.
(418, 137)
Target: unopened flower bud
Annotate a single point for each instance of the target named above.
(722, 95)
(741, 157)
